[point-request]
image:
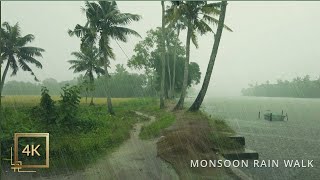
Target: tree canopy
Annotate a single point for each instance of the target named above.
(302, 87)
(147, 56)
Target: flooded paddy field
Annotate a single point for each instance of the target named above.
(295, 139)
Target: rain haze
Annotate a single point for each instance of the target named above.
(270, 40)
(150, 114)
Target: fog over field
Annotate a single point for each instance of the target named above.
(271, 40)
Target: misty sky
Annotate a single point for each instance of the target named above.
(271, 40)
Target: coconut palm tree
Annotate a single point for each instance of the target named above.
(163, 56)
(198, 101)
(197, 17)
(15, 52)
(174, 28)
(105, 22)
(88, 61)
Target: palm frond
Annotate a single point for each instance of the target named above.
(214, 21)
(31, 60)
(25, 67)
(194, 39)
(121, 33)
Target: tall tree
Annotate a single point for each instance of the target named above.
(88, 61)
(148, 55)
(175, 27)
(198, 101)
(105, 22)
(162, 57)
(15, 51)
(195, 15)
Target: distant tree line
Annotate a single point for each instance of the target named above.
(302, 87)
(122, 84)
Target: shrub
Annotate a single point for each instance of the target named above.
(47, 108)
(69, 104)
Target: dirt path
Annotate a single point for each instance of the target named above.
(135, 159)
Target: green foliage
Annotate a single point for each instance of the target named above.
(15, 120)
(122, 84)
(298, 87)
(154, 129)
(15, 52)
(219, 136)
(96, 133)
(201, 14)
(148, 57)
(47, 107)
(28, 88)
(69, 103)
(102, 26)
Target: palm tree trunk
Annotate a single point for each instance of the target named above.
(169, 69)
(4, 76)
(174, 72)
(162, 60)
(174, 67)
(186, 69)
(107, 90)
(91, 88)
(86, 95)
(91, 102)
(197, 103)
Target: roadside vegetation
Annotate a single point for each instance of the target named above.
(154, 129)
(88, 133)
(81, 132)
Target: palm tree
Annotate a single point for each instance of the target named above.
(189, 13)
(15, 51)
(198, 101)
(174, 28)
(88, 61)
(196, 16)
(105, 22)
(162, 57)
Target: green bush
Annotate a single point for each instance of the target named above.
(47, 108)
(69, 104)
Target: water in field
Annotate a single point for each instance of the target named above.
(295, 139)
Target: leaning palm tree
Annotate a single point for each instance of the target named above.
(105, 22)
(197, 17)
(88, 61)
(15, 52)
(198, 101)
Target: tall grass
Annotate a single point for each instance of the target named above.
(95, 134)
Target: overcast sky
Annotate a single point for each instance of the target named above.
(271, 40)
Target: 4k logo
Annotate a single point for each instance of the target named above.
(31, 150)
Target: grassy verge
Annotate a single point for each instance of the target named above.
(154, 129)
(219, 136)
(94, 135)
(195, 136)
(163, 120)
